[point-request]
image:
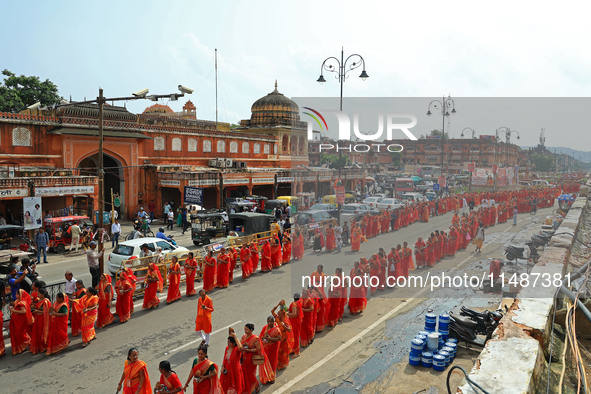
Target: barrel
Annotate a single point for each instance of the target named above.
(446, 355)
(422, 338)
(413, 360)
(427, 359)
(452, 340)
(453, 346)
(438, 362)
(425, 333)
(450, 351)
(430, 322)
(443, 322)
(444, 336)
(433, 341)
(416, 347)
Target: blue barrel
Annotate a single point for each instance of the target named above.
(416, 347)
(452, 346)
(427, 359)
(450, 351)
(422, 338)
(425, 333)
(433, 341)
(444, 322)
(446, 355)
(430, 322)
(444, 336)
(452, 340)
(438, 362)
(413, 360)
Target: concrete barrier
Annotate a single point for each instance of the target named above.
(514, 361)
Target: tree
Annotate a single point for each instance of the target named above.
(543, 163)
(396, 157)
(437, 133)
(333, 160)
(19, 92)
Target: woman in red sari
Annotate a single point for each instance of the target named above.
(223, 269)
(356, 238)
(271, 337)
(204, 374)
(295, 315)
(41, 325)
(285, 329)
(245, 261)
(276, 253)
(286, 249)
(334, 300)
(301, 246)
(191, 266)
(154, 285)
(133, 281)
(58, 336)
(135, 378)
(209, 272)
(105, 294)
(169, 380)
(232, 379)
(124, 301)
(357, 296)
(374, 272)
(420, 251)
(21, 321)
(76, 322)
(330, 239)
(233, 258)
(174, 281)
(266, 265)
(254, 257)
(307, 330)
(90, 305)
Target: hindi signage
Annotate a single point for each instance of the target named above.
(193, 195)
(63, 190)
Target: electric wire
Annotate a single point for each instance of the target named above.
(472, 383)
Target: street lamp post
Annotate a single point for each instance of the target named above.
(342, 68)
(469, 129)
(101, 100)
(443, 105)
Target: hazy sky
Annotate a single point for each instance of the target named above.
(411, 49)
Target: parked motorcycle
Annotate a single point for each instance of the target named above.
(542, 239)
(465, 329)
(481, 317)
(513, 252)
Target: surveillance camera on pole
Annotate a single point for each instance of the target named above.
(141, 93)
(185, 90)
(34, 106)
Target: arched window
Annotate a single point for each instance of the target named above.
(206, 146)
(257, 148)
(176, 145)
(21, 136)
(266, 149)
(233, 147)
(159, 143)
(192, 145)
(221, 146)
(245, 147)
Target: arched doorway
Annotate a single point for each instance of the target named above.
(113, 178)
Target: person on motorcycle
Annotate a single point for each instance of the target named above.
(160, 234)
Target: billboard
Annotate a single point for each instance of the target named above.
(32, 213)
(483, 177)
(507, 176)
(193, 195)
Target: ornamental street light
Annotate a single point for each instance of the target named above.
(341, 68)
(444, 107)
(469, 129)
(101, 100)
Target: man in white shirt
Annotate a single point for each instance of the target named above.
(115, 232)
(75, 232)
(70, 284)
(170, 220)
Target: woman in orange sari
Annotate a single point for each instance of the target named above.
(254, 257)
(271, 338)
(286, 344)
(58, 337)
(286, 249)
(41, 325)
(135, 378)
(233, 258)
(105, 294)
(231, 378)
(21, 320)
(124, 301)
(154, 285)
(223, 269)
(266, 265)
(90, 306)
(307, 328)
(209, 272)
(76, 322)
(251, 346)
(174, 281)
(245, 263)
(191, 266)
(276, 253)
(204, 375)
(357, 297)
(169, 380)
(356, 239)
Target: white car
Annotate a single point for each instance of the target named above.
(390, 203)
(372, 201)
(412, 197)
(125, 250)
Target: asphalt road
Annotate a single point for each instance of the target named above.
(167, 333)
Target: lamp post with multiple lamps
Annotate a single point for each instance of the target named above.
(508, 133)
(469, 129)
(342, 67)
(101, 100)
(444, 105)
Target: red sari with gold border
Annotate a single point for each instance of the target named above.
(58, 338)
(20, 323)
(105, 295)
(41, 327)
(89, 317)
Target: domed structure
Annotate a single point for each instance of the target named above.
(158, 109)
(274, 109)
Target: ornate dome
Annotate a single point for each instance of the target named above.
(158, 109)
(274, 109)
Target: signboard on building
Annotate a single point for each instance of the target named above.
(263, 180)
(63, 190)
(324, 178)
(193, 195)
(482, 177)
(204, 182)
(238, 181)
(18, 193)
(165, 182)
(507, 176)
(32, 212)
(285, 179)
(339, 191)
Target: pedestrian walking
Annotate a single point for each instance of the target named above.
(41, 241)
(479, 238)
(170, 216)
(92, 258)
(115, 232)
(203, 320)
(75, 233)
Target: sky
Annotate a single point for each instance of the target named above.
(421, 49)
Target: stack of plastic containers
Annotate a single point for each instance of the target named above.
(432, 348)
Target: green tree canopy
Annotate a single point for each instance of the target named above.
(437, 133)
(542, 162)
(19, 92)
(333, 160)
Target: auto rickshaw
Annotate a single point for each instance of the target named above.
(206, 226)
(331, 199)
(57, 229)
(272, 204)
(13, 237)
(293, 202)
